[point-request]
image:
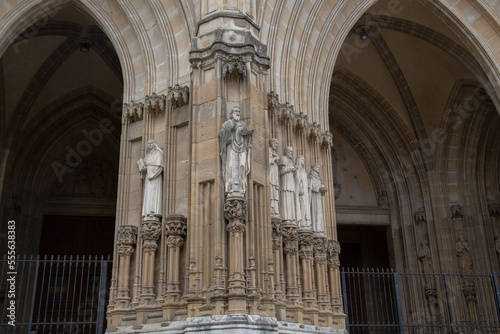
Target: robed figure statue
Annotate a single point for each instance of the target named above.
(235, 141)
(151, 168)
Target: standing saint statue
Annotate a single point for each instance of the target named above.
(287, 178)
(462, 248)
(235, 141)
(151, 168)
(424, 255)
(318, 190)
(303, 194)
(274, 177)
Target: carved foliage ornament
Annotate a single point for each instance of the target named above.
(155, 104)
(175, 241)
(276, 234)
(456, 212)
(290, 237)
(236, 227)
(150, 231)
(125, 250)
(306, 241)
(178, 96)
(333, 252)
(320, 248)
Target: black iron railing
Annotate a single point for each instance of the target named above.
(382, 301)
(54, 294)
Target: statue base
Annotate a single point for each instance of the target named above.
(222, 324)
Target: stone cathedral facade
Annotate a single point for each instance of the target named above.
(232, 155)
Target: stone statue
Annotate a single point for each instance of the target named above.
(424, 255)
(287, 178)
(274, 178)
(318, 190)
(462, 248)
(151, 168)
(303, 194)
(235, 141)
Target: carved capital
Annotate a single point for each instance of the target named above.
(456, 212)
(235, 209)
(335, 264)
(419, 216)
(132, 112)
(150, 246)
(320, 246)
(126, 235)
(175, 225)
(155, 104)
(175, 241)
(290, 238)
(178, 96)
(232, 64)
(150, 231)
(125, 250)
(306, 253)
(236, 227)
(333, 249)
(306, 239)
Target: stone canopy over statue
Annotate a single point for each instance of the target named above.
(151, 168)
(235, 141)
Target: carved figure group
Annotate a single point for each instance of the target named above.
(300, 194)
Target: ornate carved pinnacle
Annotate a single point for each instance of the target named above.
(232, 64)
(126, 235)
(235, 209)
(175, 225)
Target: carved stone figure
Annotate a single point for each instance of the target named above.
(274, 178)
(462, 248)
(318, 190)
(235, 141)
(287, 178)
(151, 168)
(424, 255)
(303, 194)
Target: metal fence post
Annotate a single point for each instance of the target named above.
(344, 297)
(398, 304)
(102, 297)
(35, 282)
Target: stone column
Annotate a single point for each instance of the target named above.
(320, 249)
(279, 280)
(150, 232)
(235, 211)
(290, 239)
(126, 239)
(306, 256)
(175, 231)
(334, 275)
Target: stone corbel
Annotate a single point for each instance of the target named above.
(313, 131)
(177, 96)
(155, 104)
(285, 112)
(132, 112)
(300, 121)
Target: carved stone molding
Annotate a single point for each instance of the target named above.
(382, 200)
(236, 227)
(126, 235)
(290, 238)
(233, 65)
(456, 212)
(494, 210)
(175, 225)
(276, 233)
(125, 250)
(431, 294)
(177, 96)
(235, 209)
(155, 104)
(175, 241)
(333, 252)
(320, 246)
(306, 241)
(150, 232)
(132, 112)
(419, 216)
(326, 139)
